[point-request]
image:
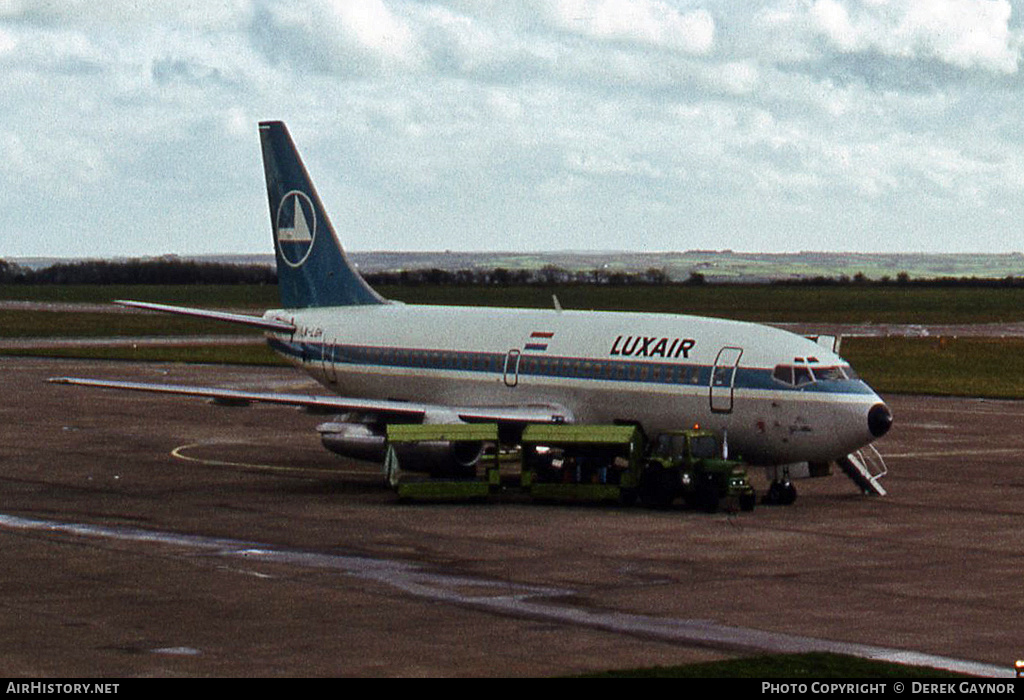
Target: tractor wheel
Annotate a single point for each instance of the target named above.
(658, 487)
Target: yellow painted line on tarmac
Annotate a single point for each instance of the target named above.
(179, 453)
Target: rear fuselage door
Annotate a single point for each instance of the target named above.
(723, 379)
(328, 352)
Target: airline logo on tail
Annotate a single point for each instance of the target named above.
(296, 227)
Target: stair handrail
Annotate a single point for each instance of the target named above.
(873, 462)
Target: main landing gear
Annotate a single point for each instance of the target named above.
(780, 493)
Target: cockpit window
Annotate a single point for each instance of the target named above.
(829, 374)
(783, 373)
(802, 375)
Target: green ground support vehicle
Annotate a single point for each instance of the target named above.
(582, 462)
(410, 485)
(690, 464)
(571, 463)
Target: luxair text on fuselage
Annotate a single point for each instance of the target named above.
(652, 346)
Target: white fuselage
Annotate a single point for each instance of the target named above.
(754, 383)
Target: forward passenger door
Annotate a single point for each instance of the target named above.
(723, 379)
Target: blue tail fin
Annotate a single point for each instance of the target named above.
(312, 268)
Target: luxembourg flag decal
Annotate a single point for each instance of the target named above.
(539, 341)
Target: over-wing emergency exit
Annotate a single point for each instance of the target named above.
(777, 399)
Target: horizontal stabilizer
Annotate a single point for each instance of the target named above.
(267, 324)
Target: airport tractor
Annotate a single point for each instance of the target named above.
(691, 464)
(573, 463)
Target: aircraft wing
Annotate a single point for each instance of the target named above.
(434, 413)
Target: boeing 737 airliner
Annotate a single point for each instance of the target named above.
(778, 398)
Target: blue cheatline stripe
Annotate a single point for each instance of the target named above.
(549, 366)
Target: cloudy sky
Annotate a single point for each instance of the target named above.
(129, 128)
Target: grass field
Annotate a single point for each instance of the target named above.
(217, 295)
(201, 354)
(992, 368)
(982, 367)
(763, 303)
(17, 323)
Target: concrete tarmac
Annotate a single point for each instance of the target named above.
(146, 535)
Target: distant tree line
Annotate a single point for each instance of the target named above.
(903, 279)
(173, 270)
(168, 270)
(502, 277)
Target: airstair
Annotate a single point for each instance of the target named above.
(865, 467)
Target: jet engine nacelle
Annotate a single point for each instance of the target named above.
(355, 440)
(368, 442)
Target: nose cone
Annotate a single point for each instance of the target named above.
(879, 420)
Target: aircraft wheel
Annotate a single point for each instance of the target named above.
(788, 494)
(780, 493)
(775, 495)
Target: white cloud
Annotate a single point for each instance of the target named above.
(736, 77)
(338, 37)
(125, 13)
(962, 33)
(371, 25)
(7, 41)
(644, 21)
(831, 18)
(773, 124)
